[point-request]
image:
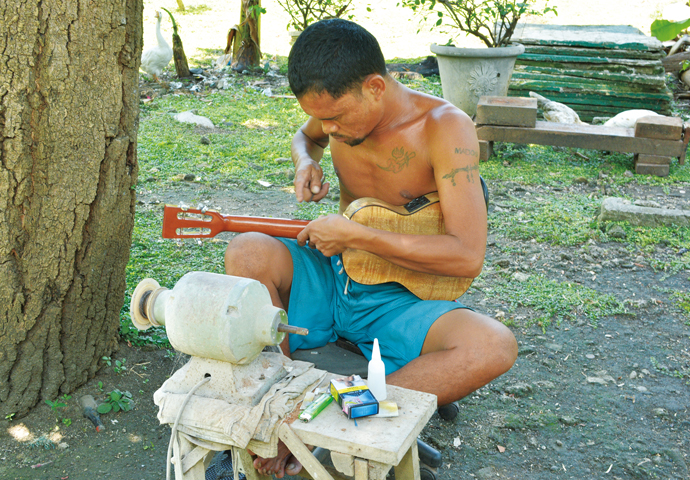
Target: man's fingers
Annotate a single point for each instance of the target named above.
(322, 193)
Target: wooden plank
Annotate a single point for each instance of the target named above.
(623, 69)
(344, 463)
(558, 58)
(626, 102)
(588, 87)
(618, 37)
(302, 453)
(651, 169)
(581, 136)
(651, 80)
(594, 52)
(587, 77)
(248, 465)
(513, 111)
(361, 469)
(408, 468)
(486, 149)
(665, 128)
(652, 159)
(674, 63)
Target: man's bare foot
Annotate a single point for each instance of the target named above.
(282, 464)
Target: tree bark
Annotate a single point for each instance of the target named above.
(68, 122)
(247, 49)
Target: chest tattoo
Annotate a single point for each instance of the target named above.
(469, 171)
(398, 160)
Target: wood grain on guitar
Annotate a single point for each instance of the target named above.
(421, 216)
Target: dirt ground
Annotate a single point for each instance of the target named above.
(580, 403)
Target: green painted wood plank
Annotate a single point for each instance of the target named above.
(630, 62)
(624, 103)
(617, 37)
(621, 69)
(580, 87)
(632, 82)
(593, 52)
(657, 81)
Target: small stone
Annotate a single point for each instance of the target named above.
(65, 446)
(520, 277)
(559, 443)
(633, 375)
(628, 174)
(554, 346)
(641, 389)
(581, 180)
(519, 389)
(645, 371)
(282, 160)
(502, 262)
(589, 356)
(205, 140)
(617, 232)
(568, 420)
(596, 380)
(660, 412)
(189, 177)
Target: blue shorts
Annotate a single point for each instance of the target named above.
(320, 302)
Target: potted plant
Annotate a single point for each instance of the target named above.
(304, 12)
(468, 73)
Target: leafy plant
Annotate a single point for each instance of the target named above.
(118, 365)
(116, 401)
(667, 30)
(492, 21)
(304, 12)
(57, 405)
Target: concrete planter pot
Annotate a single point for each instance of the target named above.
(469, 73)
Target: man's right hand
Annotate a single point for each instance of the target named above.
(308, 182)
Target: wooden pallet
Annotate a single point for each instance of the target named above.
(655, 141)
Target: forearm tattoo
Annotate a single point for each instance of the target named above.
(469, 171)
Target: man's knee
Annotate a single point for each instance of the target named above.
(506, 348)
(249, 254)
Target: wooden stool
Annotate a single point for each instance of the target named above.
(368, 450)
(365, 451)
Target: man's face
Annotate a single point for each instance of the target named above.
(348, 119)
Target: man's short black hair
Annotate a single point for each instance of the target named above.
(333, 56)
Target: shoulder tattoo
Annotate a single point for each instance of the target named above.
(469, 171)
(466, 151)
(398, 160)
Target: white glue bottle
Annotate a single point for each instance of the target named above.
(376, 377)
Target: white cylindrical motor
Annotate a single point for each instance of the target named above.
(208, 315)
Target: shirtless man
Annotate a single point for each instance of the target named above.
(394, 144)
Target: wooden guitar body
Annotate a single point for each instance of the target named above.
(421, 216)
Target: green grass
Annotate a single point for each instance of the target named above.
(254, 130)
(556, 301)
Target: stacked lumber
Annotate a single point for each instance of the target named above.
(597, 70)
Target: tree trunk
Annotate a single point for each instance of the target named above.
(68, 166)
(247, 50)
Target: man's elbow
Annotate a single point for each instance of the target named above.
(469, 268)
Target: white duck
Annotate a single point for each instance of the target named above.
(155, 59)
(556, 112)
(628, 118)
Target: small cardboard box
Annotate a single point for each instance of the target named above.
(354, 397)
